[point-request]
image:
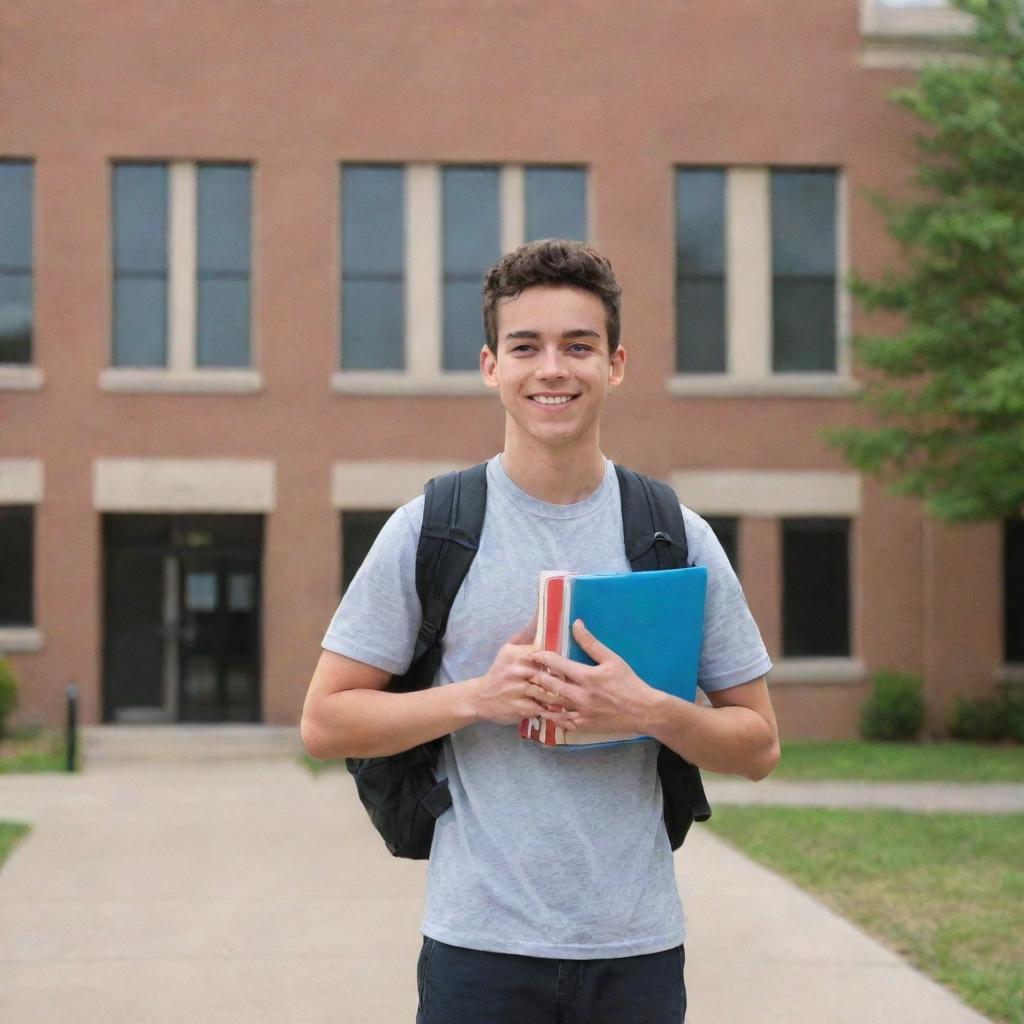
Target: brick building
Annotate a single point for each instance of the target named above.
(240, 254)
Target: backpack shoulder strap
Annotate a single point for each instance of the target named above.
(453, 518)
(652, 523)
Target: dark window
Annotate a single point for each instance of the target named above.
(373, 268)
(700, 271)
(16, 565)
(1013, 589)
(556, 203)
(140, 265)
(15, 261)
(726, 529)
(222, 265)
(358, 532)
(803, 271)
(471, 248)
(815, 588)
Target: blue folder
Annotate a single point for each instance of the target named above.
(653, 620)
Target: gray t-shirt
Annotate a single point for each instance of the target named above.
(546, 851)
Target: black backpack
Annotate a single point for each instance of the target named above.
(401, 792)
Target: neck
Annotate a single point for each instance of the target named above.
(556, 476)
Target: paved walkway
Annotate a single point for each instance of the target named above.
(194, 890)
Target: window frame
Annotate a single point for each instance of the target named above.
(748, 298)
(182, 372)
(25, 376)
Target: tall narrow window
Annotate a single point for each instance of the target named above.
(16, 565)
(15, 261)
(140, 265)
(1013, 590)
(803, 216)
(815, 588)
(222, 265)
(471, 248)
(700, 271)
(358, 532)
(556, 203)
(373, 268)
(726, 529)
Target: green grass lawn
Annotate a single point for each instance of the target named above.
(944, 890)
(34, 750)
(902, 762)
(10, 833)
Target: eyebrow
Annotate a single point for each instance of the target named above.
(578, 332)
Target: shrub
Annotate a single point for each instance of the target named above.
(8, 694)
(895, 709)
(989, 719)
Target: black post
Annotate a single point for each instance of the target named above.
(71, 695)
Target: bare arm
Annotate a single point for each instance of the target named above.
(738, 735)
(348, 714)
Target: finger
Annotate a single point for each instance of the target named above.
(555, 663)
(590, 644)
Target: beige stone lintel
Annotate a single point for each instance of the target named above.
(383, 483)
(816, 671)
(769, 492)
(20, 640)
(792, 385)
(21, 481)
(183, 485)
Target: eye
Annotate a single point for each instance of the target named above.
(579, 346)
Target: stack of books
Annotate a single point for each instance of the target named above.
(653, 620)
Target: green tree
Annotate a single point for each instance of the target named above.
(948, 389)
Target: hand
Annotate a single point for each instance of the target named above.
(608, 697)
(500, 695)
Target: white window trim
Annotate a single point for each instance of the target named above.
(189, 381)
(748, 301)
(20, 377)
(914, 20)
(182, 374)
(184, 485)
(424, 266)
(371, 484)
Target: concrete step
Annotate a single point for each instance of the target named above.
(117, 744)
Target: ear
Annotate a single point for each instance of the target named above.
(488, 367)
(617, 368)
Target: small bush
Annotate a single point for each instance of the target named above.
(989, 719)
(8, 694)
(895, 709)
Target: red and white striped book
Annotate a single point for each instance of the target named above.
(552, 635)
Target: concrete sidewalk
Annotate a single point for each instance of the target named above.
(199, 891)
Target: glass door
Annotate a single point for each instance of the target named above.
(218, 638)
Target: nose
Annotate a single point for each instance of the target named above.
(552, 365)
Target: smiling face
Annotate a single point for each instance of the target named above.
(552, 369)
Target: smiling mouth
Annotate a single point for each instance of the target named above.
(550, 400)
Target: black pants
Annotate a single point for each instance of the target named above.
(467, 986)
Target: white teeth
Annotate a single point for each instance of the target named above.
(549, 400)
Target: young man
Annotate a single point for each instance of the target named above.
(551, 893)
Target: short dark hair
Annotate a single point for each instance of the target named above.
(551, 261)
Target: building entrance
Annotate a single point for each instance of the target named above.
(182, 618)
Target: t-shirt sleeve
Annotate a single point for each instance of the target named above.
(379, 616)
(732, 651)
